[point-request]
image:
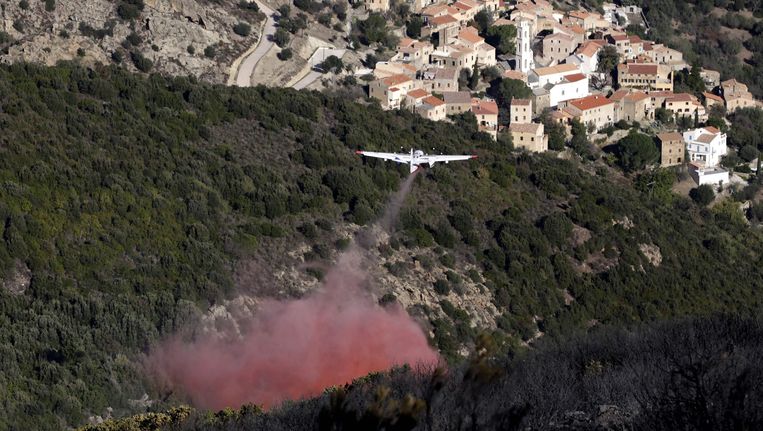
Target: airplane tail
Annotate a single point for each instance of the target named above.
(412, 167)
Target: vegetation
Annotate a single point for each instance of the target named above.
(131, 199)
(503, 38)
(242, 29)
(686, 374)
(636, 151)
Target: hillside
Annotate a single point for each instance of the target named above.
(199, 38)
(135, 208)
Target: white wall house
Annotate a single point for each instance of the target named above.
(570, 87)
(705, 145)
(541, 76)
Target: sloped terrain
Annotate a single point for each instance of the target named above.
(135, 208)
(176, 37)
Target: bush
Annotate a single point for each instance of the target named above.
(281, 37)
(285, 54)
(242, 29)
(117, 57)
(50, 5)
(702, 195)
(441, 287)
(248, 5)
(141, 62)
(130, 9)
(748, 153)
(191, 50)
(24, 4)
(210, 51)
(18, 25)
(134, 39)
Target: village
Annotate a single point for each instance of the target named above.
(579, 66)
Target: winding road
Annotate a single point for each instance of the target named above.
(246, 68)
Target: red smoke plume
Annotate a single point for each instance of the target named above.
(295, 349)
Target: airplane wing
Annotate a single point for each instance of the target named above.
(434, 158)
(395, 157)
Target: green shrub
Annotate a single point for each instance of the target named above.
(441, 287)
(210, 51)
(242, 29)
(702, 195)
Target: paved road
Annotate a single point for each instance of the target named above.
(317, 58)
(246, 69)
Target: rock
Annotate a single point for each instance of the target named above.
(652, 253)
(167, 27)
(18, 279)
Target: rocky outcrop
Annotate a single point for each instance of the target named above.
(18, 279)
(173, 34)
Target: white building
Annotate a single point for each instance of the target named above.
(542, 76)
(704, 175)
(570, 87)
(706, 146)
(525, 59)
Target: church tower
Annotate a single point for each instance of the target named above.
(525, 60)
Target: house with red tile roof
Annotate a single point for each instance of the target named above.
(645, 76)
(594, 110)
(390, 91)
(486, 112)
(529, 136)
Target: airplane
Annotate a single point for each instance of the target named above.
(415, 158)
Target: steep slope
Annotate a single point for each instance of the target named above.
(136, 208)
(175, 37)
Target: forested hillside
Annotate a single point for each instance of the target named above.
(128, 204)
(690, 374)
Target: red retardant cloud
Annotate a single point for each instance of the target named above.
(295, 349)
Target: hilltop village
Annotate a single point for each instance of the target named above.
(571, 68)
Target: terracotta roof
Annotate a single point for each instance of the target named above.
(522, 102)
(442, 19)
(579, 14)
(560, 68)
(484, 107)
(712, 96)
(515, 74)
(712, 129)
(589, 48)
(590, 102)
(639, 68)
(575, 77)
(469, 36)
(575, 29)
(431, 100)
(665, 93)
(620, 37)
(619, 95)
(648, 46)
(405, 42)
(705, 138)
(680, 97)
(395, 80)
(637, 96)
(533, 128)
(563, 36)
(670, 136)
(457, 97)
(635, 39)
(418, 93)
(434, 9)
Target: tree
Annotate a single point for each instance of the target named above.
(285, 54)
(702, 195)
(511, 88)
(373, 29)
(281, 37)
(332, 63)
(503, 38)
(557, 133)
(663, 115)
(608, 59)
(579, 142)
(141, 63)
(413, 28)
(242, 29)
(748, 153)
(483, 19)
(210, 51)
(635, 151)
(130, 9)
